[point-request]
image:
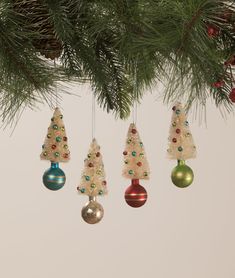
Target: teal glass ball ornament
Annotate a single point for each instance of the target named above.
(54, 178)
(182, 175)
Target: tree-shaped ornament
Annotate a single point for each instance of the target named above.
(181, 147)
(136, 167)
(93, 183)
(55, 149)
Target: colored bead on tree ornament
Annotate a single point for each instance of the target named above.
(141, 144)
(45, 153)
(174, 124)
(126, 161)
(91, 165)
(133, 153)
(135, 194)
(52, 119)
(58, 139)
(98, 154)
(180, 149)
(53, 147)
(43, 146)
(104, 182)
(101, 192)
(66, 147)
(65, 138)
(82, 190)
(186, 123)
(62, 128)
(54, 178)
(89, 155)
(177, 112)
(141, 154)
(129, 141)
(145, 174)
(57, 154)
(48, 135)
(174, 140)
(61, 117)
(55, 127)
(66, 155)
(177, 131)
(125, 153)
(131, 172)
(173, 108)
(93, 185)
(87, 178)
(139, 164)
(133, 131)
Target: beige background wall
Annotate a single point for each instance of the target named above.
(179, 233)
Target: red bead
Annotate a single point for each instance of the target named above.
(212, 31)
(174, 140)
(125, 153)
(177, 131)
(90, 164)
(104, 182)
(53, 147)
(232, 95)
(66, 155)
(139, 164)
(65, 138)
(173, 108)
(133, 131)
(136, 195)
(97, 154)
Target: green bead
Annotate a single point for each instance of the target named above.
(174, 124)
(82, 190)
(89, 155)
(101, 192)
(182, 175)
(178, 111)
(63, 128)
(48, 135)
(66, 147)
(131, 172)
(145, 174)
(141, 154)
(44, 153)
(87, 178)
(180, 149)
(61, 117)
(141, 144)
(58, 139)
(57, 154)
(126, 161)
(129, 141)
(52, 119)
(93, 185)
(133, 153)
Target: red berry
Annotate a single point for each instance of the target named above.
(53, 147)
(133, 131)
(212, 31)
(232, 95)
(177, 131)
(125, 153)
(139, 164)
(174, 140)
(218, 84)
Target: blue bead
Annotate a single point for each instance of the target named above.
(54, 178)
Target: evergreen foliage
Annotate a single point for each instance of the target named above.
(121, 46)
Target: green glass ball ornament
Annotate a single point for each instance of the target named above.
(182, 175)
(54, 178)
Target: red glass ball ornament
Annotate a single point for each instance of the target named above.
(136, 195)
(133, 131)
(125, 153)
(212, 31)
(177, 131)
(174, 140)
(139, 164)
(232, 95)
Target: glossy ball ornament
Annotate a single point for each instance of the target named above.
(92, 212)
(182, 175)
(136, 195)
(54, 178)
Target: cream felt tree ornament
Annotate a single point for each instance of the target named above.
(55, 149)
(181, 147)
(93, 184)
(136, 167)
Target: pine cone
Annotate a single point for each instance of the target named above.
(36, 16)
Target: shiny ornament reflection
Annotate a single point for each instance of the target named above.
(92, 212)
(54, 178)
(136, 195)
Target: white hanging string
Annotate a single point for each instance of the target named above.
(93, 112)
(56, 90)
(135, 105)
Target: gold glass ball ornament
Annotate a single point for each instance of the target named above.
(92, 212)
(182, 175)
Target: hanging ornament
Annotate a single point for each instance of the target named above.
(56, 150)
(136, 167)
(93, 184)
(181, 147)
(232, 95)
